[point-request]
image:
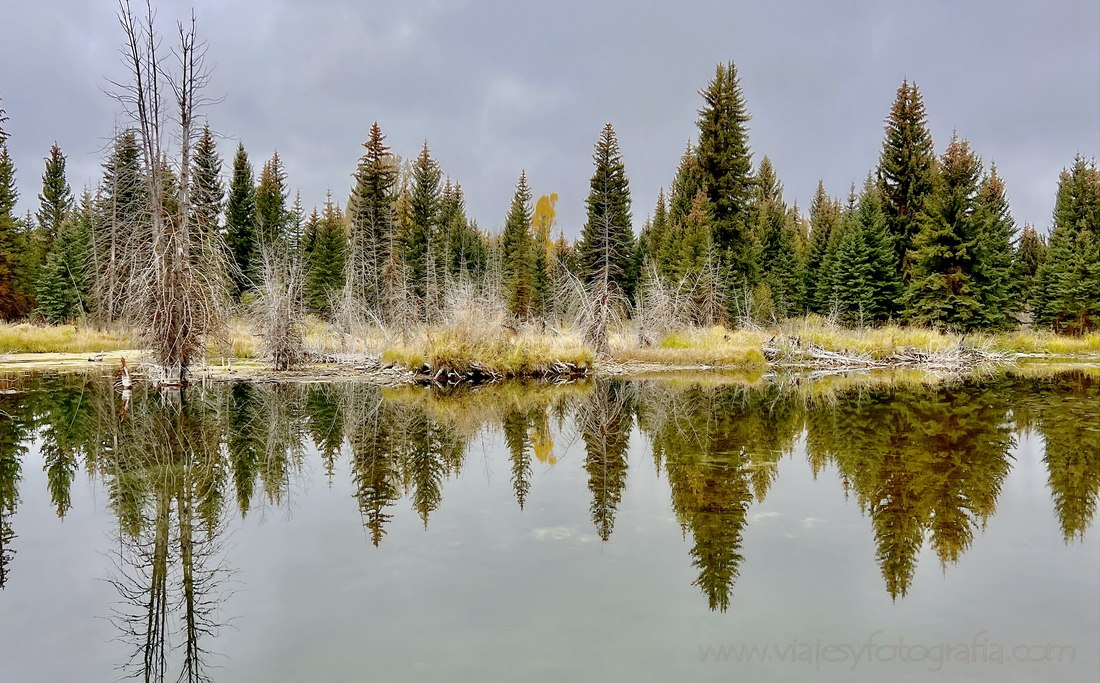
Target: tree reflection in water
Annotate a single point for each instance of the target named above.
(924, 461)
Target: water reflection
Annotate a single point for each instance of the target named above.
(925, 463)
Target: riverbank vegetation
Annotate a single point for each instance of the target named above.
(200, 261)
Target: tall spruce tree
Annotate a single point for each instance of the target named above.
(422, 257)
(325, 244)
(120, 225)
(207, 190)
(374, 250)
(14, 299)
(1031, 252)
(685, 184)
(465, 246)
(1069, 280)
(725, 163)
(606, 246)
(655, 232)
(942, 290)
(774, 229)
(824, 221)
(240, 221)
(906, 171)
(996, 232)
(63, 280)
(518, 257)
(272, 214)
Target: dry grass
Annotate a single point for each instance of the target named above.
(525, 353)
(710, 346)
(1045, 342)
(26, 338)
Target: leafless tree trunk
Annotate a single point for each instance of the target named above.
(177, 294)
(280, 307)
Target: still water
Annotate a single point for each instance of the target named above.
(861, 528)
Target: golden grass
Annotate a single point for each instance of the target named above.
(26, 338)
(710, 346)
(1045, 342)
(512, 355)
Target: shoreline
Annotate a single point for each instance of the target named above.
(370, 370)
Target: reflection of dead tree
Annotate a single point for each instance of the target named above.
(177, 292)
(166, 473)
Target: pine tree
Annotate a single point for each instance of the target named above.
(725, 162)
(606, 245)
(685, 185)
(996, 232)
(1069, 280)
(655, 232)
(824, 221)
(422, 238)
(942, 291)
(689, 247)
(63, 280)
(120, 225)
(207, 190)
(374, 252)
(272, 216)
(906, 171)
(775, 230)
(55, 200)
(326, 241)
(14, 299)
(240, 221)
(518, 258)
(465, 246)
(1031, 252)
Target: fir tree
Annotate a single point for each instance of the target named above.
(240, 221)
(14, 299)
(465, 246)
(518, 258)
(606, 245)
(1069, 280)
(326, 241)
(824, 221)
(272, 216)
(996, 232)
(906, 171)
(374, 252)
(63, 280)
(55, 200)
(655, 232)
(685, 185)
(421, 240)
(119, 226)
(686, 251)
(942, 290)
(725, 162)
(207, 190)
(1031, 252)
(775, 230)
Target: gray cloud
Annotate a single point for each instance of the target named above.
(498, 86)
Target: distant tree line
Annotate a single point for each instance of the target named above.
(924, 239)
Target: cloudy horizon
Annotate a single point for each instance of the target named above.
(496, 87)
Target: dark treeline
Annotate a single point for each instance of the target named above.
(925, 464)
(926, 238)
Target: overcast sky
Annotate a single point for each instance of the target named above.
(497, 86)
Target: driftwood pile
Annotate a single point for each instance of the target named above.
(558, 372)
(794, 351)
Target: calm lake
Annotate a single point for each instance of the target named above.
(700, 528)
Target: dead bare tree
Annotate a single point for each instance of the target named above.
(177, 293)
(280, 307)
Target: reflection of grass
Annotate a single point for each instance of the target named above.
(468, 410)
(25, 338)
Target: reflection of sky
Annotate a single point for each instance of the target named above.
(488, 591)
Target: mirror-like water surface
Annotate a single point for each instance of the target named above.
(860, 529)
